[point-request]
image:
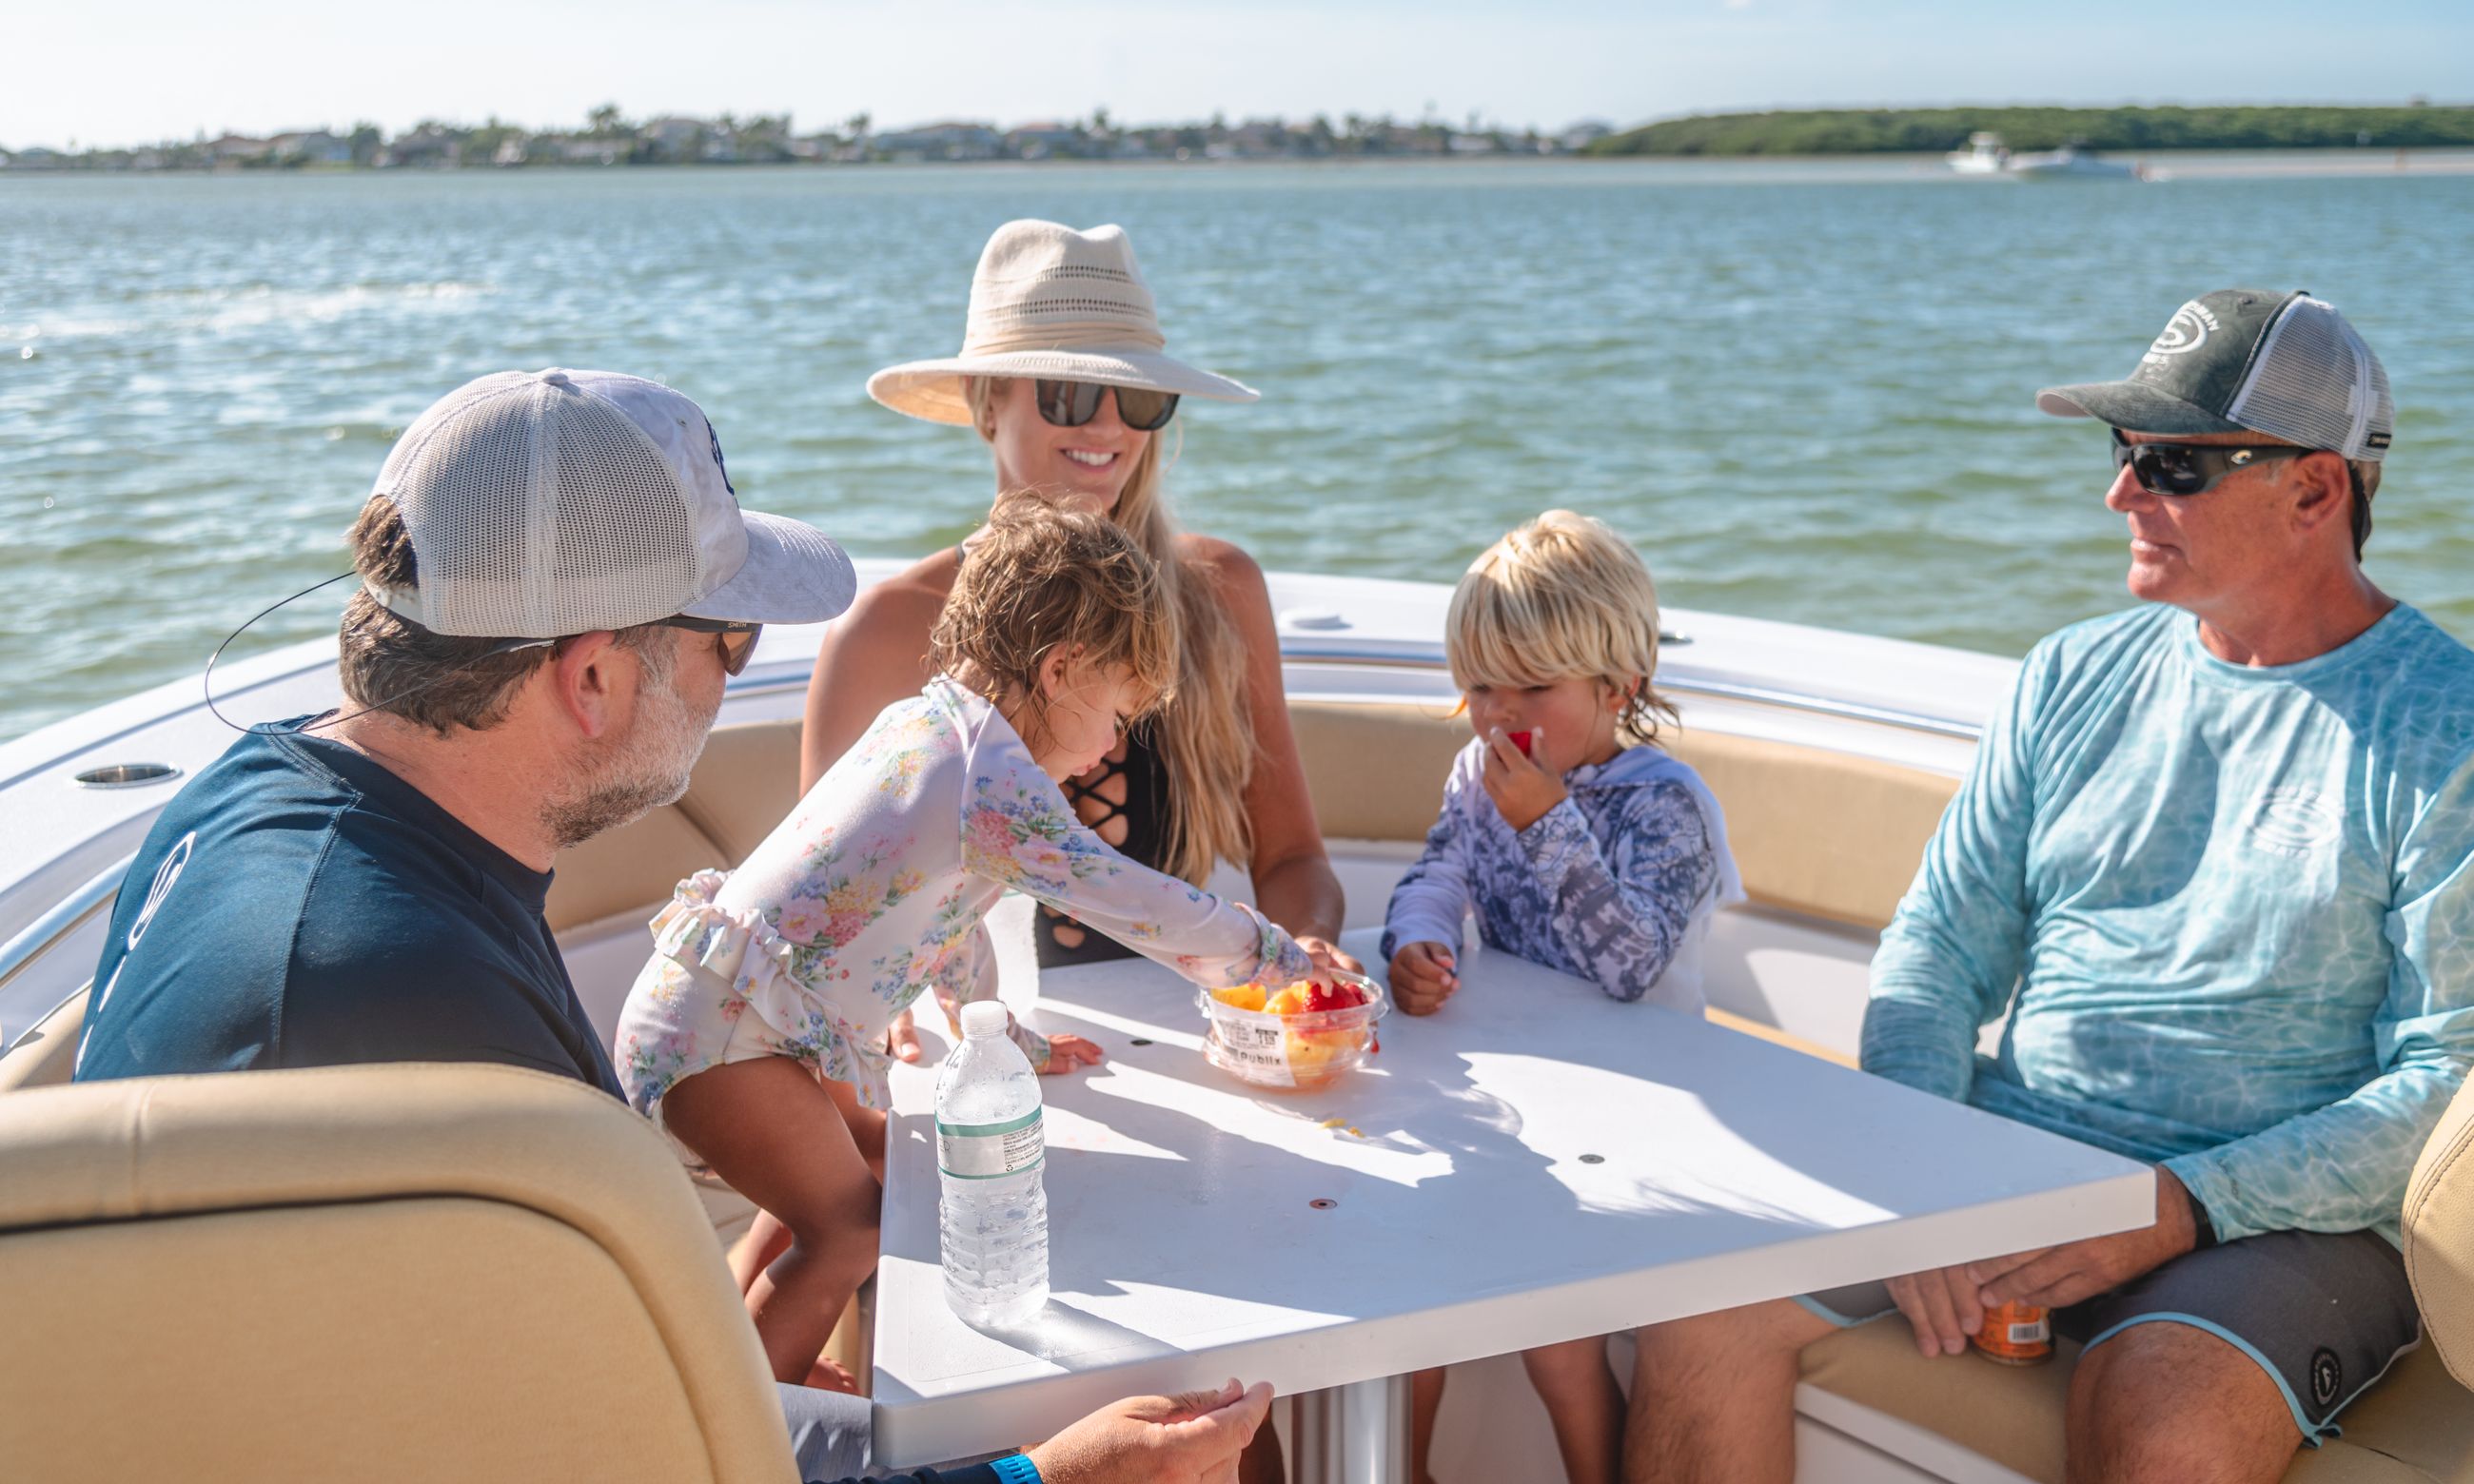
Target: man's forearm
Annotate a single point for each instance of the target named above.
(1927, 1042)
(2339, 1169)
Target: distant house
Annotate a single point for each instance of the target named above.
(1473, 144)
(942, 141)
(672, 137)
(310, 147)
(1038, 142)
(428, 149)
(1580, 136)
(512, 150)
(34, 157)
(239, 149)
(590, 152)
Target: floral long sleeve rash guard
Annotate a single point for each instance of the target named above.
(872, 890)
(1615, 884)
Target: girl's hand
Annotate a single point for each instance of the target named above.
(1522, 790)
(1327, 954)
(1422, 978)
(1065, 1053)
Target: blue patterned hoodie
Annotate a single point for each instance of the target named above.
(1615, 884)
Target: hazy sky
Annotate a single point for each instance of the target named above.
(150, 69)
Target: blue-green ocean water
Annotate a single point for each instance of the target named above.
(1803, 389)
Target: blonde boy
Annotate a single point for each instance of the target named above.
(1579, 844)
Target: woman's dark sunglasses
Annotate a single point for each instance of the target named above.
(735, 641)
(2190, 468)
(1070, 404)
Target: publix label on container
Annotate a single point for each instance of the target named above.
(1261, 1052)
(992, 1151)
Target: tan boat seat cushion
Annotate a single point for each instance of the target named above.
(369, 1273)
(1818, 832)
(2440, 1237)
(45, 1055)
(2417, 1425)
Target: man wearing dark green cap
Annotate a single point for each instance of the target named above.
(2215, 861)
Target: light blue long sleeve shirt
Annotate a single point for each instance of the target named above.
(2237, 905)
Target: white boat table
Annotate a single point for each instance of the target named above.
(1535, 1162)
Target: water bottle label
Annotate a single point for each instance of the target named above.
(990, 1151)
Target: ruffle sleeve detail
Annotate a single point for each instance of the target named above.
(742, 967)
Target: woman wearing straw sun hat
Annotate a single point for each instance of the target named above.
(1063, 372)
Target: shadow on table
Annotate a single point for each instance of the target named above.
(1460, 1177)
(1450, 1178)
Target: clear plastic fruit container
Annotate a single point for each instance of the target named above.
(1294, 1052)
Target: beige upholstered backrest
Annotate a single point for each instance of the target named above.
(45, 1055)
(2440, 1235)
(466, 1273)
(742, 786)
(1814, 831)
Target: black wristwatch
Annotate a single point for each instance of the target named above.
(2203, 1232)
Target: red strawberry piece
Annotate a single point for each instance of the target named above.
(1520, 740)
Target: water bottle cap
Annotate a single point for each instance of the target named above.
(985, 1018)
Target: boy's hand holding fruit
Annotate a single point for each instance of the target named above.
(1522, 789)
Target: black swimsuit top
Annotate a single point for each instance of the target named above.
(1062, 940)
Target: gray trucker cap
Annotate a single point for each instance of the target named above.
(2249, 361)
(547, 503)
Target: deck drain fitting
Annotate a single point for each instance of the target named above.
(127, 774)
(1593, 1159)
(1140, 1041)
(1323, 1203)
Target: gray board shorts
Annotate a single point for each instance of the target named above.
(2324, 1314)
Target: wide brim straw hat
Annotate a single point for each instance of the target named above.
(1050, 301)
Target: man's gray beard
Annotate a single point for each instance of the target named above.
(644, 770)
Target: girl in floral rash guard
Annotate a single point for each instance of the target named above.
(756, 1034)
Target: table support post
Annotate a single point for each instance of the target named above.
(1353, 1434)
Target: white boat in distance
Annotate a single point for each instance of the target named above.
(1987, 155)
(2072, 162)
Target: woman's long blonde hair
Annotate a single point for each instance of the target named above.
(1205, 736)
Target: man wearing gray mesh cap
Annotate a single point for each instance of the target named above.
(556, 581)
(2215, 861)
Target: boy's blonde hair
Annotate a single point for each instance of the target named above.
(1561, 597)
(1205, 735)
(1039, 578)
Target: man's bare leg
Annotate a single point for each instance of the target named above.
(1713, 1396)
(2163, 1402)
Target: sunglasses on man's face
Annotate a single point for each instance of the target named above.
(737, 641)
(2190, 468)
(1070, 404)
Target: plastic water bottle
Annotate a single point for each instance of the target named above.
(991, 1149)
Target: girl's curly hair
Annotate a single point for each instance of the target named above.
(1039, 578)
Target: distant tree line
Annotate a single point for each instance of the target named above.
(609, 137)
(1881, 130)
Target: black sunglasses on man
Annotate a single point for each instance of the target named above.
(2178, 469)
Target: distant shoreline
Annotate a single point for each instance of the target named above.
(1885, 166)
(609, 139)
